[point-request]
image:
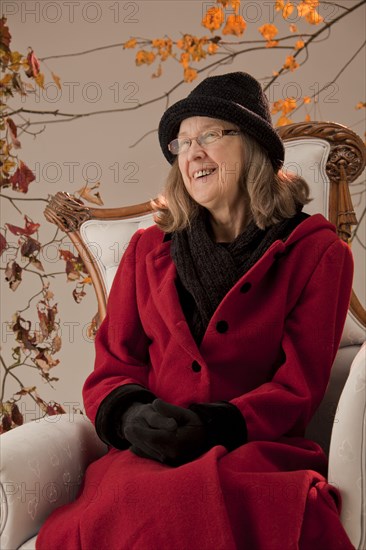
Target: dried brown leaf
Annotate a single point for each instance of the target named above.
(13, 275)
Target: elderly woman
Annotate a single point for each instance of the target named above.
(222, 326)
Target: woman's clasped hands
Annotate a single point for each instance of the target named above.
(163, 432)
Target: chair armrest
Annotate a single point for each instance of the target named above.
(42, 466)
(347, 456)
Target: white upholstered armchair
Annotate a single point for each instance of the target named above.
(43, 462)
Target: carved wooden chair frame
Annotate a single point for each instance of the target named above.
(345, 163)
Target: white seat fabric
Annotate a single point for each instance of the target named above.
(42, 465)
(29, 544)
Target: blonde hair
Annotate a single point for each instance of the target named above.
(271, 197)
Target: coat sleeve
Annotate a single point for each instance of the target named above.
(121, 345)
(312, 332)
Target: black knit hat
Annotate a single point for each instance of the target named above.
(234, 97)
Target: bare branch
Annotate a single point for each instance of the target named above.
(99, 49)
(345, 66)
(335, 4)
(355, 236)
(30, 301)
(22, 198)
(314, 36)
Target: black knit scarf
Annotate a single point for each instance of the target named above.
(208, 270)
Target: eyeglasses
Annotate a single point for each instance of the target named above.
(181, 145)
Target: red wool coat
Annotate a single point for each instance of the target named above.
(284, 319)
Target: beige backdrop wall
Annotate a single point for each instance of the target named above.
(100, 147)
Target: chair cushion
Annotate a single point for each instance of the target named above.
(29, 545)
(42, 466)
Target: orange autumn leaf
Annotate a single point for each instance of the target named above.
(212, 48)
(312, 3)
(307, 118)
(291, 63)
(158, 72)
(277, 107)
(283, 120)
(361, 105)
(235, 24)
(213, 18)
(287, 10)
(189, 74)
(40, 80)
(268, 31)
(279, 5)
(184, 60)
(303, 9)
(6, 80)
(314, 18)
(16, 61)
(285, 105)
(307, 9)
(289, 104)
(235, 4)
(271, 43)
(299, 45)
(144, 57)
(131, 43)
(164, 47)
(57, 80)
(293, 28)
(306, 99)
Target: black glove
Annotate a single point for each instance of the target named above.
(164, 432)
(131, 415)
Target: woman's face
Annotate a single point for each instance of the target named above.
(211, 173)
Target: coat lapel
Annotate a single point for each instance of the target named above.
(162, 275)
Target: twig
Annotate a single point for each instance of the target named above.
(30, 301)
(8, 372)
(21, 198)
(75, 54)
(315, 35)
(345, 66)
(334, 4)
(142, 138)
(357, 228)
(12, 202)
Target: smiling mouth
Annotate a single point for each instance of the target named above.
(203, 173)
